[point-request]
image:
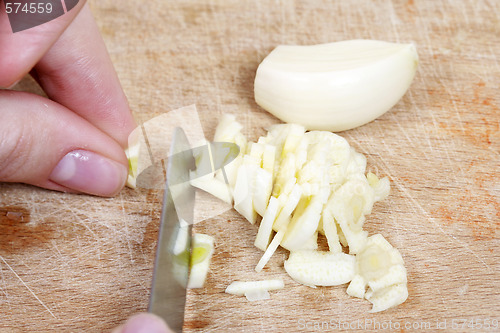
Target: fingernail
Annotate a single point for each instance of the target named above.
(145, 323)
(91, 173)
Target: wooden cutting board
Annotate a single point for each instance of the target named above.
(76, 263)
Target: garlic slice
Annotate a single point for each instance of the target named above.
(381, 187)
(203, 248)
(266, 225)
(381, 267)
(240, 288)
(270, 250)
(349, 205)
(388, 297)
(305, 220)
(257, 295)
(315, 268)
(132, 154)
(334, 86)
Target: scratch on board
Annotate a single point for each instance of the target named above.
(433, 220)
(451, 98)
(126, 228)
(415, 203)
(440, 136)
(4, 284)
(394, 20)
(29, 289)
(81, 222)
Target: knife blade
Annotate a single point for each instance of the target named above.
(172, 262)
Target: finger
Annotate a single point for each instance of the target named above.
(77, 73)
(20, 51)
(45, 144)
(143, 323)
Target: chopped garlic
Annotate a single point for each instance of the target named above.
(380, 266)
(240, 288)
(304, 225)
(262, 187)
(387, 298)
(315, 268)
(214, 186)
(290, 201)
(305, 183)
(311, 243)
(270, 250)
(132, 154)
(330, 230)
(243, 191)
(381, 187)
(257, 295)
(269, 159)
(203, 248)
(349, 205)
(357, 287)
(228, 130)
(266, 225)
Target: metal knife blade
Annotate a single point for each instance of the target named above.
(171, 273)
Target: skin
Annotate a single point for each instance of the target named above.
(86, 109)
(86, 114)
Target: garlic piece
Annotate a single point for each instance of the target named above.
(242, 193)
(349, 205)
(334, 86)
(305, 220)
(214, 186)
(266, 225)
(203, 248)
(388, 297)
(270, 250)
(381, 187)
(315, 268)
(380, 266)
(240, 288)
(132, 154)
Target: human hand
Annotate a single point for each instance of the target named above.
(143, 323)
(74, 140)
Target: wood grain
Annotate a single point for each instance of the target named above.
(76, 263)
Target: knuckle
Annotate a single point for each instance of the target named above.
(15, 146)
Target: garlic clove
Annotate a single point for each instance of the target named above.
(334, 86)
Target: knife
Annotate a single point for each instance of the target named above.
(172, 263)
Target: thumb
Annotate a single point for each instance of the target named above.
(45, 144)
(143, 323)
